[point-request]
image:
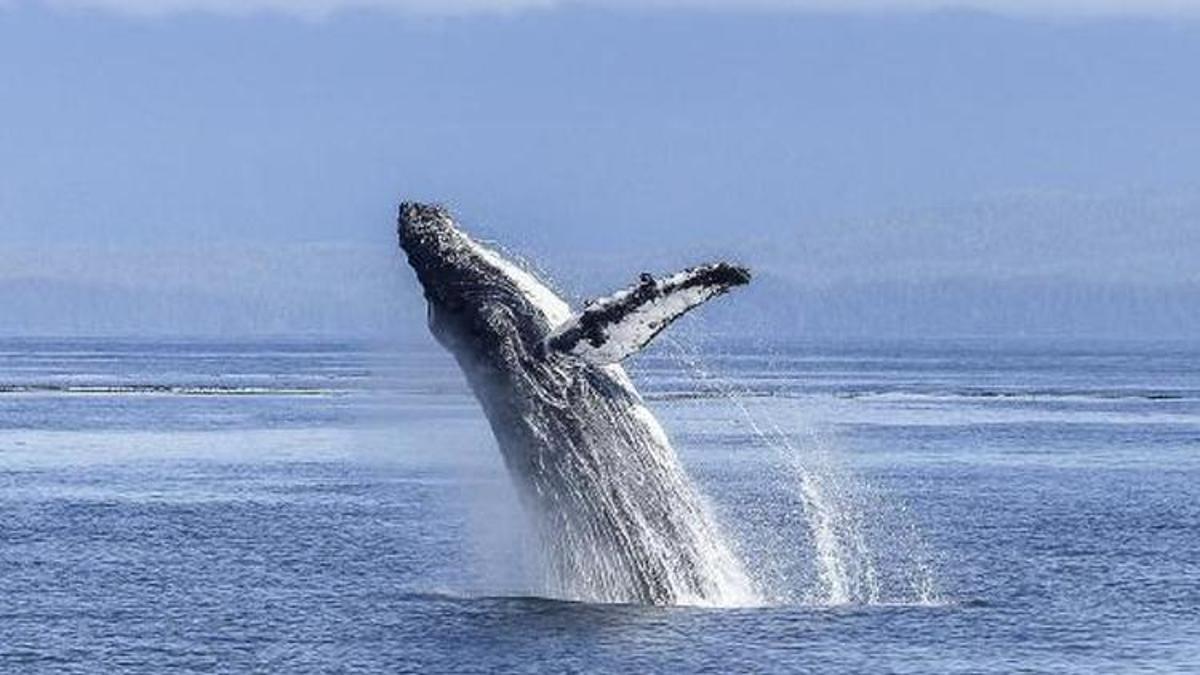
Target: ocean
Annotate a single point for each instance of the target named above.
(297, 505)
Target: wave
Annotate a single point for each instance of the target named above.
(1031, 395)
(701, 395)
(543, 602)
(163, 390)
(980, 395)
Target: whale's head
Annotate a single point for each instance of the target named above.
(480, 304)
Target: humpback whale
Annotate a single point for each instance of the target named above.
(618, 518)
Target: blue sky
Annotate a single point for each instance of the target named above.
(888, 143)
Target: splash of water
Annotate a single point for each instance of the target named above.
(864, 550)
(614, 517)
(630, 526)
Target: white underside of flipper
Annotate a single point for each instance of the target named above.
(610, 329)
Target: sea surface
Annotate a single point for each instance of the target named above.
(294, 506)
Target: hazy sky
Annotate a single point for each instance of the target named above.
(891, 140)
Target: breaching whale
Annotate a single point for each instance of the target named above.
(618, 518)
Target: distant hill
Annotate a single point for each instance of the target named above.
(1025, 264)
(1034, 307)
(770, 306)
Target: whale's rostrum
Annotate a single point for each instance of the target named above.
(618, 519)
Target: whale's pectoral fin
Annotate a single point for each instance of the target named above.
(611, 328)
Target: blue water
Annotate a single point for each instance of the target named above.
(304, 506)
